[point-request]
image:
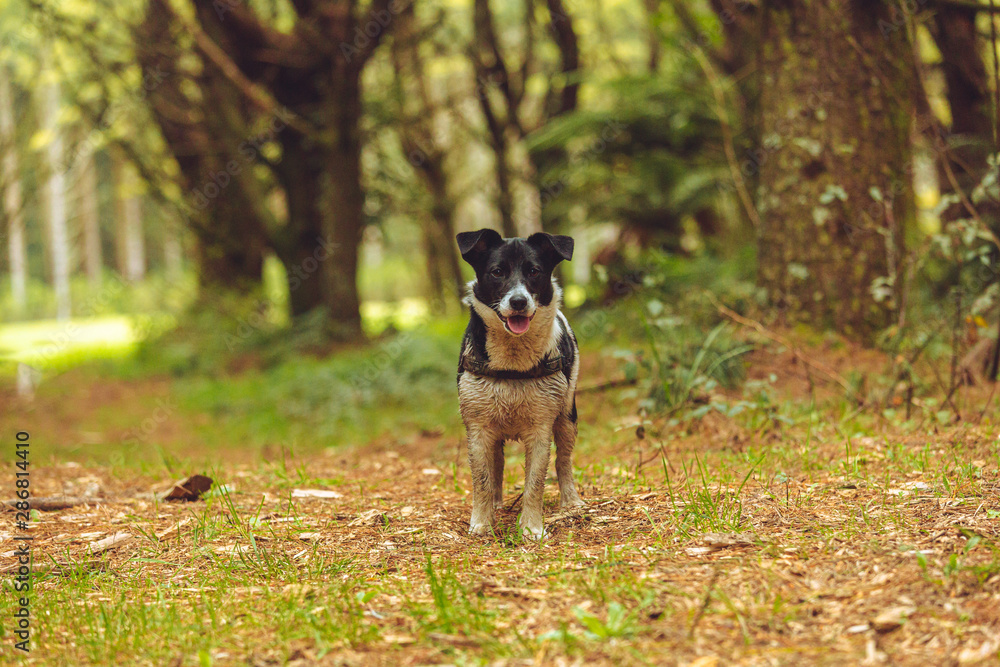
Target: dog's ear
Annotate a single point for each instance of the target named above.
(554, 248)
(475, 245)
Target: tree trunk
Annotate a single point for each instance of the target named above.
(835, 190)
(443, 215)
(971, 132)
(344, 218)
(229, 239)
(90, 220)
(968, 92)
(300, 245)
(131, 246)
(56, 191)
(12, 196)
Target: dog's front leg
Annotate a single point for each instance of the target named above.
(564, 432)
(498, 465)
(482, 459)
(536, 467)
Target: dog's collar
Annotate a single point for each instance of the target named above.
(544, 368)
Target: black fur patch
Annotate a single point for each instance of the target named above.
(501, 265)
(572, 413)
(567, 349)
(475, 334)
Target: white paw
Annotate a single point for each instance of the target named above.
(479, 528)
(532, 530)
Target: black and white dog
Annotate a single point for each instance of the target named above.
(517, 372)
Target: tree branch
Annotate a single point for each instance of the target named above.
(569, 53)
(254, 92)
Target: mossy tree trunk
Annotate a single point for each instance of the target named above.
(835, 189)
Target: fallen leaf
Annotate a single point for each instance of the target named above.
(431, 471)
(399, 639)
(188, 489)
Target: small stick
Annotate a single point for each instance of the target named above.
(54, 503)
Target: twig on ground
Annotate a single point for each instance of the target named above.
(54, 503)
(514, 502)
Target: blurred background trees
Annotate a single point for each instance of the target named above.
(312, 160)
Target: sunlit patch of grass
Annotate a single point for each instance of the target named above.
(403, 315)
(58, 345)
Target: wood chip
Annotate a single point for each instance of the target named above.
(892, 618)
(235, 549)
(370, 518)
(722, 540)
(108, 543)
(172, 529)
(705, 661)
(315, 493)
(974, 656)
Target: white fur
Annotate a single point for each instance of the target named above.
(514, 352)
(519, 290)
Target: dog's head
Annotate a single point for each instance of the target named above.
(514, 276)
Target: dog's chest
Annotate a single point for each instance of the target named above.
(511, 406)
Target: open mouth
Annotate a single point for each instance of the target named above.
(517, 324)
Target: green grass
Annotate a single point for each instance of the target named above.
(842, 527)
(56, 345)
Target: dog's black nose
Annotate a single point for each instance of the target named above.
(518, 303)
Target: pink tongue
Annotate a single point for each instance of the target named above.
(518, 323)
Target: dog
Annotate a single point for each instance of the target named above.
(517, 372)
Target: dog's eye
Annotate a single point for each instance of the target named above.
(533, 271)
(497, 272)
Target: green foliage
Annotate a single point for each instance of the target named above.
(619, 622)
(681, 366)
(404, 383)
(649, 156)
